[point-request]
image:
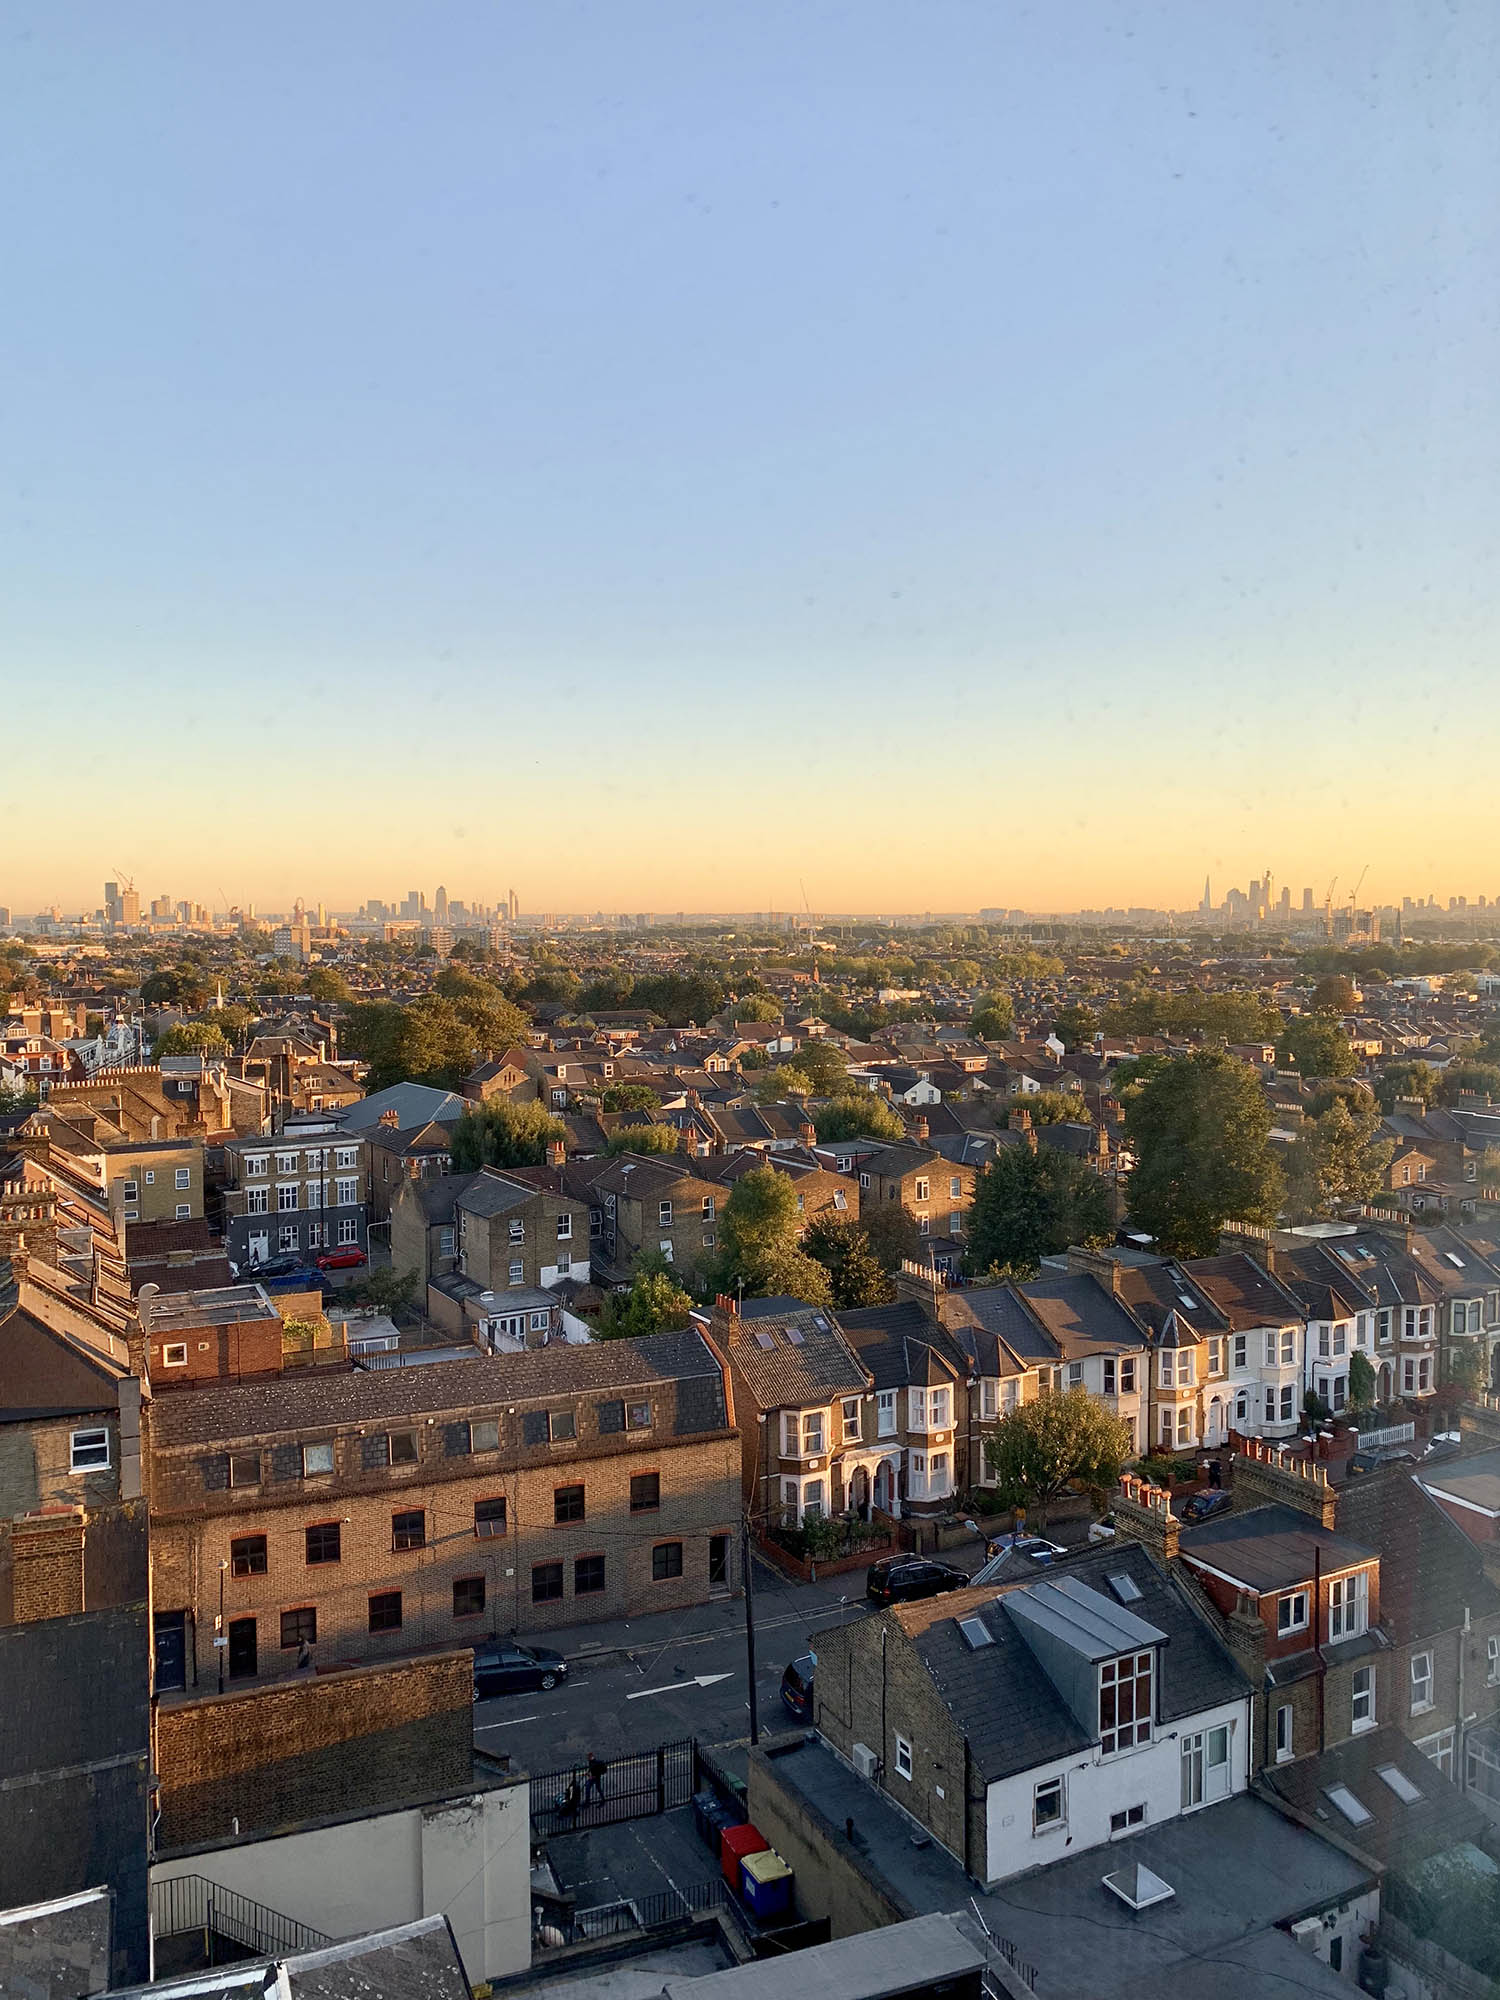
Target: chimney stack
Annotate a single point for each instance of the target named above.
(921, 1129)
(557, 1152)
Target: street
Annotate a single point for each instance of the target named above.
(682, 1681)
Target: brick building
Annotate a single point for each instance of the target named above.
(296, 1192)
(521, 1229)
(373, 1514)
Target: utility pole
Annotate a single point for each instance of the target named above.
(750, 1633)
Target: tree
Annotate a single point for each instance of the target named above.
(192, 1038)
(385, 1288)
(1029, 1204)
(1335, 994)
(16, 1099)
(328, 986)
(756, 1007)
(1361, 1382)
(1337, 1157)
(1075, 1025)
(235, 1021)
(824, 1066)
(1478, 1078)
(994, 1018)
(655, 1303)
(649, 1139)
(1466, 1367)
(1049, 1107)
(854, 1271)
(502, 1134)
(161, 989)
(785, 1080)
(1199, 1128)
(1315, 1045)
(857, 1114)
(1406, 1079)
(629, 1097)
(760, 1247)
(1040, 1448)
(891, 1231)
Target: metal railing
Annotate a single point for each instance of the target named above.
(568, 1801)
(632, 1914)
(182, 1904)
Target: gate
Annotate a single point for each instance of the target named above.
(655, 1781)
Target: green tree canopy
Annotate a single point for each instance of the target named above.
(857, 1114)
(655, 1303)
(756, 1007)
(1075, 1025)
(192, 1038)
(1040, 1448)
(1335, 994)
(891, 1231)
(1336, 1158)
(648, 1139)
(854, 1271)
(437, 1039)
(759, 1238)
(329, 987)
(1200, 1129)
(1406, 1079)
(782, 1080)
(994, 1018)
(1316, 1045)
(1483, 1079)
(502, 1134)
(824, 1066)
(1217, 1017)
(629, 1097)
(1032, 1203)
(1050, 1107)
(1361, 1381)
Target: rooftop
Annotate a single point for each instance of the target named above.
(1270, 1548)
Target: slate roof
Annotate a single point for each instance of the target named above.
(1430, 1572)
(900, 1346)
(1003, 1700)
(993, 1323)
(1081, 1316)
(436, 1196)
(794, 1374)
(1364, 1269)
(1475, 1480)
(1397, 1834)
(44, 1374)
(1270, 1548)
(264, 1409)
(1157, 1292)
(415, 1104)
(1243, 1291)
(489, 1194)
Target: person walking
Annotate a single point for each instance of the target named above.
(595, 1783)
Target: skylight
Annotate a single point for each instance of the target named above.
(1399, 1783)
(1187, 1299)
(1348, 1805)
(793, 1335)
(1125, 1588)
(976, 1632)
(763, 1337)
(1454, 1259)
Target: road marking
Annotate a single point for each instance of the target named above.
(700, 1680)
(509, 1723)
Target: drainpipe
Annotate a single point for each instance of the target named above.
(1317, 1611)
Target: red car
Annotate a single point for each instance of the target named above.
(348, 1259)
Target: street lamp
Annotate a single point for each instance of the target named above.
(221, 1637)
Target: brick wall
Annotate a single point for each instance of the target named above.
(271, 1757)
(833, 1879)
(36, 1465)
(46, 1567)
(699, 1498)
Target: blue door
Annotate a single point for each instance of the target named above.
(171, 1650)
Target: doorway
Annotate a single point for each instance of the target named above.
(242, 1651)
(169, 1629)
(718, 1563)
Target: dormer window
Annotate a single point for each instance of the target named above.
(1348, 1606)
(1125, 1703)
(1291, 1613)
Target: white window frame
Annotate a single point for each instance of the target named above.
(850, 1410)
(83, 1446)
(1348, 1605)
(1241, 1350)
(286, 1197)
(184, 1211)
(1492, 1654)
(1422, 1702)
(1362, 1701)
(1285, 1733)
(1292, 1613)
(885, 1414)
(1049, 1788)
(346, 1158)
(902, 1763)
(256, 1164)
(1438, 1749)
(174, 1354)
(348, 1230)
(184, 1177)
(258, 1201)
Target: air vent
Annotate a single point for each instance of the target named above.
(864, 1760)
(1138, 1888)
(1125, 1588)
(976, 1632)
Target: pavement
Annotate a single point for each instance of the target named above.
(637, 1682)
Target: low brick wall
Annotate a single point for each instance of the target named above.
(796, 1567)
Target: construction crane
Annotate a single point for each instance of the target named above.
(1328, 906)
(127, 882)
(1354, 892)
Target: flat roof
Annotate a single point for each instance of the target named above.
(862, 1967)
(216, 1305)
(1466, 1482)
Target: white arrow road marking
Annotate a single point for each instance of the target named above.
(700, 1680)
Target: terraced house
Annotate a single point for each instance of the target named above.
(360, 1515)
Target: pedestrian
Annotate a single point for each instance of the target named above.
(304, 1659)
(597, 1769)
(567, 1805)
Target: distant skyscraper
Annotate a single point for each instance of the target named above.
(1307, 902)
(515, 906)
(1207, 904)
(440, 905)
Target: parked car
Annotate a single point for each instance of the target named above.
(797, 1686)
(504, 1669)
(349, 1258)
(269, 1267)
(1203, 1506)
(1033, 1548)
(1444, 1444)
(1102, 1531)
(301, 1278)
(895, 1579)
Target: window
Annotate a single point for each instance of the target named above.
(710, 1208)
(409, 1529)
(286, 1197)
(349, 1229)
(1215, 1355)
(864, 1179)
(517, 1274)
(564, 1228)
(1284, 1751)
(174, 1354)
(468, 1596)
(638, 1416)
(1075, 1374)
(665, 1247)
(299, 1628)
(1124, 1702)
(324, 1540)
(1205, 1767)
(348, 1193)
(489, 1516)
(1048, 1805)
(385, 1611)
(802, 1434)
(939, 1415)
(955, 1188)
(885, 1413)
(484, 1434)
(1362, 1705)
(547, 1583)
(1492, 1654)
(1347, 1606)
(1240, 1350)
(1291, 1613)
(132, 1190)
(1421, 1683)
(247, 1555)
(567, 1504)
(151, 1177)
(1127, 1376)
(903, 1758)
(314, 1160)
(184, 1177)
(850, 1409)
(561, 1428)
(445, 1242)
(988, 1396)
(255, 1164)
(244, 1468)
(645, 1492)
(517, 1232)
(257, 1201)
(401, 1448)
(316, 1459)
(1287, 1393)
(287, 1237)
(1439, 1749)
(286, 1163)
(666, 1561)
(664, 1215)
(1122, 1822)
(184, 1211)
(315, 1195)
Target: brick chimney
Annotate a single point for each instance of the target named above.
(391, 1117)
(920, 1129)
(807, 1132)
(557, 1152)
(1143, 1513)
(47, 1564)
(1262, 1474)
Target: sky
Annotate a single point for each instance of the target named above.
(668, 455)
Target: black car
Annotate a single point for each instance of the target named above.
(300, 1278)
(797, 1686)
(506, 1669)
(894, 1579)
(1203, 1506)
(273, 1267)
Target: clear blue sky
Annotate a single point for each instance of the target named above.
(954, 453)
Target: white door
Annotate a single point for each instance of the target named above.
(260, 1246)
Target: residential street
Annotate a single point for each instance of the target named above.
(613, 1703)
